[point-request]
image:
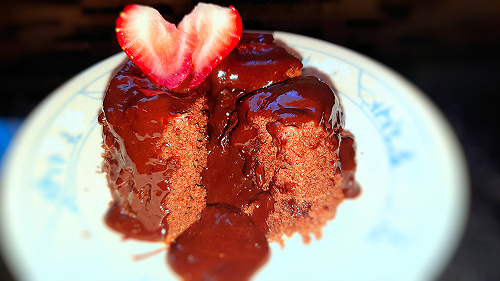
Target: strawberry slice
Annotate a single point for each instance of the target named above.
(217, 31)
(156, 46)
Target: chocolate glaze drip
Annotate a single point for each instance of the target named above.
(255, 63)
(135, 113)
(347, 155)
(225, 243)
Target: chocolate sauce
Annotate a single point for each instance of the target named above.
(291, 103)
(223, 245)
(256, 62)
(118, 219)
(252, 81)
(347, 155)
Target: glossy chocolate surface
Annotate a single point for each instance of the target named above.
(135, 113)
(256, 62)
(290, 103)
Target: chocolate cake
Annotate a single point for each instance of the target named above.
(255, 153)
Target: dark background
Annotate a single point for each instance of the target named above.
(448, 48)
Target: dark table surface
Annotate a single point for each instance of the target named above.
(449, 49)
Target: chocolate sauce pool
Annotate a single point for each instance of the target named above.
(225, 243)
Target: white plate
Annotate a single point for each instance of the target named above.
(404, 226)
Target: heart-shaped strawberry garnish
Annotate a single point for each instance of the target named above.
(168, 55)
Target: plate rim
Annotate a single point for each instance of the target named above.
(415, 94)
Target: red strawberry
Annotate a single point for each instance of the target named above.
(156, 46)
(217, 30)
